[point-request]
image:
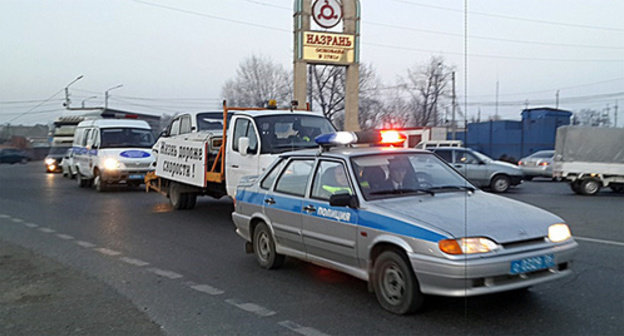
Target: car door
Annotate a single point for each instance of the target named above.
(330, 232)
(283, 205)
(241, 164)
(469, 165)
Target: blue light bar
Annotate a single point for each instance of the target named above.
(378, 137)
(338, 138)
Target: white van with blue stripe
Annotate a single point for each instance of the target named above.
(112, 151)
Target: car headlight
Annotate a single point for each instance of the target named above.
(111, 164)
(559, 232)
(467, 245)
(50, 161)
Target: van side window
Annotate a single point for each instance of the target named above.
(175, 127)
(185, 124)
(85, 137)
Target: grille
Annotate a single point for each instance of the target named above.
(524, 243)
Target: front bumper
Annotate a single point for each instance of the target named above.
(488, 275)
(124, 176)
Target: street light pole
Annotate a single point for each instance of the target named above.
(106, 95)
(67, 101)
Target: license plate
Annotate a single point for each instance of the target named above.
(136, 177)
(532, 264)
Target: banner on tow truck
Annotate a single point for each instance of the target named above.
(182, 161)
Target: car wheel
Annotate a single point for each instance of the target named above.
(264, 248)
(528, 178)
(176, 198)
(590, 186)
(575, 187)
(191, 200)
(500, 183)
(396, 286)
(100, 186)
(82, 182)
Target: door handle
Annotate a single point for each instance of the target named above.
(309, 208)
(269, 201)
(459, 166)
(234, 166)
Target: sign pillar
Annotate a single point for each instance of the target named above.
(328, 47)
(351, 25)
(301, 24)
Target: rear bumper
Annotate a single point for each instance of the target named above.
(537, 171)
(487, 275)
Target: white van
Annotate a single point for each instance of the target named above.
(109, 151)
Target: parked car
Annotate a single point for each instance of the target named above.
(13, 155)
(401, 219)
(67, 168)
(481, 170)
(54, 159)
(538, 164)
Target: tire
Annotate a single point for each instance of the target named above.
(395, 284)
(100, 186)
(264, 248)
(575, 187)
(191, 200)
(177, 199)
(589, 187)
(82, 182)
(528, 178)
(500, 183)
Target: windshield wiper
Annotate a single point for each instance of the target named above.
(454, 187)
(403, 191)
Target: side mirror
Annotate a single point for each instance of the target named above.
(243, 145)
(163, 134)
(343, 200)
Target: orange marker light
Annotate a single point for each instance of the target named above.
(449, 246)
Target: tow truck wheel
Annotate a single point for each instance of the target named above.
(590, 186)
(264, 248)
(191, 200)
(396, 286)
(177, 199)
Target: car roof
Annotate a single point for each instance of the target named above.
(111, 123)
(348, 152)
(256, 113)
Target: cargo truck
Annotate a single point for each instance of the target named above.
(207, 153)
(590, 158)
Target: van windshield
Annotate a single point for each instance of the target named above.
(282, 133)
(126, 137)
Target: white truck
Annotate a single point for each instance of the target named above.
(590, 158)
(194, 158)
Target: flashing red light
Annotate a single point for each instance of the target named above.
(519, 163)
(131, 116)
(392, 137)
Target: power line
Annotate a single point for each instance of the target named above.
(20, 102)
(437, 32)
(516, 18)
(382, 45)
(36, 106)
(553, 90)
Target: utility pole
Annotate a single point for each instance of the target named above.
(453, 108)
(310, 83)
(557, 100)
(106, 95)
(67, 101)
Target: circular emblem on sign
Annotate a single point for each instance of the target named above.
(327, 13)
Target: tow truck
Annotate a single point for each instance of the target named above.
(207, 153)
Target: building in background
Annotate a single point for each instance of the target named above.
(515, 139)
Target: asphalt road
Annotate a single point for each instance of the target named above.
(187, 270)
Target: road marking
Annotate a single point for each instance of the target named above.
(135, 262)
(31, 225)
(594, 240)
(108, 252)
(85, 244)
(251, 307)
(164, 273)
(64, 236)
(4, 216)
(301, 329)
(207, 289)
(17, 220)
(46, 230)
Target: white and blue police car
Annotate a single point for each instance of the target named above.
(402, 219)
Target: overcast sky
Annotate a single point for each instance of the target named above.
(174, 55)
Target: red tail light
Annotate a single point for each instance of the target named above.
(391, 137)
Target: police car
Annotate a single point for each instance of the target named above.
(401, 219)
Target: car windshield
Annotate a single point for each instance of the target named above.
(126, 137)
(282, 133)
(58, 150)
(65, 130)
(211, 121)
(405, 174)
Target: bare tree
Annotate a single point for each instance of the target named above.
(428, 87)
(589, 117)
(257, 80)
